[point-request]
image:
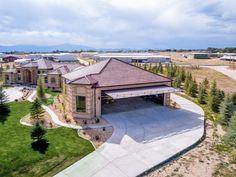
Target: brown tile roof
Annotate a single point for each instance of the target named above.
(46, 64)
(113, 72)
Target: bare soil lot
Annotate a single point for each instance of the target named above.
(177, 57)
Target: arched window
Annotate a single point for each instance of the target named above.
(53, 80)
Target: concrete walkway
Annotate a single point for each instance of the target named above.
(54, 117)
(13, 93)
(224, 70)
(144, 136)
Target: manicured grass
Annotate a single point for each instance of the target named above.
(50, 100)
(17, 157)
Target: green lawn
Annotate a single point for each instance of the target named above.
(17, 157)
(52, 94)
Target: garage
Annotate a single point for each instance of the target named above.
(123, 98)
(113, 82)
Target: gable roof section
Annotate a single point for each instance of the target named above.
(86, 71)
(113, 72)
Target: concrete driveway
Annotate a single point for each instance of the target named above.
(13, 93)
(144, 136)
(224, 70)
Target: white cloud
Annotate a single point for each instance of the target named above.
(119, 23)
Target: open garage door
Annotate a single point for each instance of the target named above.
(136, 92)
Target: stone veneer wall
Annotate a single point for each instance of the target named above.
(70, 100)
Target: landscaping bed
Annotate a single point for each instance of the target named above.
(98, 136)
(17, 158)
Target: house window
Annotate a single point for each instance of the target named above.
(46, 79)
(38, 72)
(7, 77)
(19, 78)
(80, 103)
(53, 80)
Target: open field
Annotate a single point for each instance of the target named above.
(17, 158)
(177, 57)
(223, 82)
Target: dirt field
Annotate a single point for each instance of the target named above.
(177, 57)
(223, 82)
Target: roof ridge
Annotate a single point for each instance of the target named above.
(141, 68)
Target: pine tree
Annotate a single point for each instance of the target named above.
(230, 136)
(201, 94)
(36, 111)
(187, 81)
(205, 83)
(160, 68)
(214, 98)
(234, 99)
(192, 88)
(182, 74)
(226, 109)
(177, 82)
(3, 100)
(40, 88)
(37, 132)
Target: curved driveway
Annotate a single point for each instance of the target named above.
(144, 136)
(13, 93)
(224, 70)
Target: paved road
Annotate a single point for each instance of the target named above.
(224, 70)
(144, 135)
(13, 93)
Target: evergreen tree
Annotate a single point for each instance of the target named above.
(230, 136)
(160, 68)
(201, 94)
(214, 98)
(40, 88)
(226, 109)
(3, 100)
(234, 99)
(182, 74)
(36, 111)
(145, 66)
(37, 132)
(205, 83)
(187, 81)
(177, 82)
(192, 88)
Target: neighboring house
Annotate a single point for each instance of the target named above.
(28, 73)
(86, 89)
(9, 59)
(198, 56)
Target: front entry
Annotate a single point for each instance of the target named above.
(27, 77)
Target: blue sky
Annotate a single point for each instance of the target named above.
(119, 23)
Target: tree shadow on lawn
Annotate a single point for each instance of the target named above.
(41, 146)
(4, 113)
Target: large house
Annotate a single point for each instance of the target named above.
(86, 89)
(28, 73)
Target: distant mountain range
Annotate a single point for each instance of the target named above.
(49, 48)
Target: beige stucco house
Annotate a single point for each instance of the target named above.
(87, 88)
(50, 71)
